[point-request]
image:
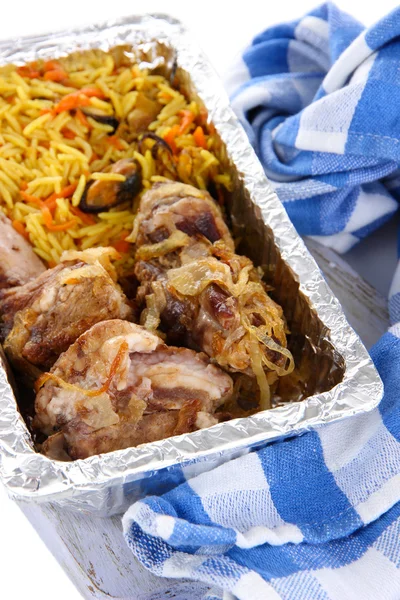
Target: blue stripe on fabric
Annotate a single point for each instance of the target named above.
(335, 214)
(384, 31)
(304, 214)
(258, 67)
(166, 480)
(394, 308)
(318, 500)
(187, 537)
(152, 552)
(282, 31)
(386, 356)
(268, 561)
(381, 129)
(188, 504)
(343, 31)
(280, 561)
(368, 229)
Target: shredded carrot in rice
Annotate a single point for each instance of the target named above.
(78, 115)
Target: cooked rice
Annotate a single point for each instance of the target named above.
(48, 150)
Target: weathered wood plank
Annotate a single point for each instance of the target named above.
(365, 309)
(92, 551)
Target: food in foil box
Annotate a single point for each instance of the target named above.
(123, 302)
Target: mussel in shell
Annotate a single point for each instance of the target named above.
(101, 195)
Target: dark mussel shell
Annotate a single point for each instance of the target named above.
(100, 196)
(159, 143)
(105, 119)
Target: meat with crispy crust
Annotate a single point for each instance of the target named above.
(119, 386)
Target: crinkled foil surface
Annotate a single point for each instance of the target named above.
(106, 484)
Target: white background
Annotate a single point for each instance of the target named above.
(26, 566)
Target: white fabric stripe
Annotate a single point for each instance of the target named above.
(129, 517)
(251, 585)
(181, 564)
(395, 286)
(369, 207)
(381, 453)
(256, 95)
(256, 536)
(301, 58)
(372, 577)
(340, 242)
(349, 60)
(380, 501)
(388, 543)
(141, 512)
(225, 484)
(238, 75)
(341, 442)
(165, 526)
(319, 141)
(228, 478)
(314, 25)
(362, 72)
(395, 330)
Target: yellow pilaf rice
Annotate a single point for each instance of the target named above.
(46, 151)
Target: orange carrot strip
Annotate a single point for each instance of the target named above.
(61, 226)
(71, 101)
(66, 192)
(31, 199)
(55, 75)
(187, 120)
(199, 137)
(24, 185)
(47, 217)
(113, 140)
(28, 71)
(82, 118)
(86, 219)
(170, 136)
(20, 228)
(121, 246)
(92, 92)
(78, 98)
(203, 115)
(68, 134)
(51, 65)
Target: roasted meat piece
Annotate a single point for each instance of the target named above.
(199, 292)
(118, 386)
(18, 262)
(43, 317)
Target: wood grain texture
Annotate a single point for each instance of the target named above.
(365, 309)
(93, 552)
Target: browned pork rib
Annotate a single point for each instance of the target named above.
(118, 386)
(43, 317)
(200, 292)
(18, 262)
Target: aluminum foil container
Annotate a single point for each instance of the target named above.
(339, 379)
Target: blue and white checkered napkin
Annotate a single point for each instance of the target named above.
(317, 516)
